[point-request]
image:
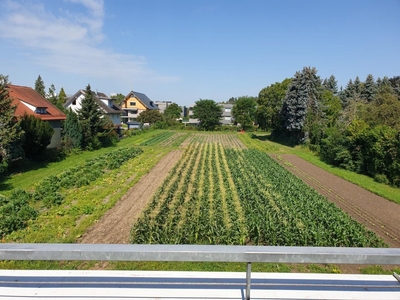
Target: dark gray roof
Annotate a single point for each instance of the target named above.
(144, 99)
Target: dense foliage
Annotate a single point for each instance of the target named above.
(173, 111)
(97, 129)
(208, 112)
(357, 128)
(72, 133)
(17, 210)
(270, 100)
(244, 112)
(150, 116)
(37, 135)
(10, 130)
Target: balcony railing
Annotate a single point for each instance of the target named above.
(202, 253)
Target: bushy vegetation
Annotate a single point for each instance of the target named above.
(356, 128)
(17, 210)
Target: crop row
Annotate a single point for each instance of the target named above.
(218, 195)
(17, 210)
(158, 138)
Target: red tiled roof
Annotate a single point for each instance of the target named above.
(31, 97)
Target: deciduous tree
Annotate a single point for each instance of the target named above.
(173, 111)
(244, 111)
(150, 116)
(270, 100)
(208, 112)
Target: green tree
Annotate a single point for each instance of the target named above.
(173, 111)
(10, 130)
(331, 107)
(62, 97)
(150, 116)
(395, 82)
(90, 117)
(384, 110)
(208, 112)
(244, 111)
(52, 95)
(39, 86)
(72, 133)
(270, 100)
(330, 84)
(37, 135)
(118, 99)
(369, 89)
(301, 111)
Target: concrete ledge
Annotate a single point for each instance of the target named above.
(42, 284)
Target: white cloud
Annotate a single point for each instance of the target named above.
(70, 42)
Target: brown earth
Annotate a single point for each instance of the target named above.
(376, 213)
(115, 225)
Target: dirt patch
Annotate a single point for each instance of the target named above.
(115, 225)
(376, 213)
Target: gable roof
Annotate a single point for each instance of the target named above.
(28, 100)
(113, 109)
(143, 98)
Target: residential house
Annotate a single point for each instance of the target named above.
(134, 104)
(162, 105)
(30, 102)
(227, 118)
(108, 107)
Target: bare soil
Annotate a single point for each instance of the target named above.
(115, 225)
(376, 213)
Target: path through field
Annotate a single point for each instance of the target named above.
(376, 213)
(114, 227)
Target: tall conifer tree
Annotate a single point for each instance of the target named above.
(90, 117)
(10, 130)
(39, 86)
(302, 104)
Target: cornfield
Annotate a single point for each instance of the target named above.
(222, 193)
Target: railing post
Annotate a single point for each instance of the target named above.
(248, 280)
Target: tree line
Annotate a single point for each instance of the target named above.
(356, 127)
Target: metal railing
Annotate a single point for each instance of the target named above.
(202, 253)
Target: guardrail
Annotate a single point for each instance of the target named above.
(202, 253)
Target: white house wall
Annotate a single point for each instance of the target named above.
(78, 104)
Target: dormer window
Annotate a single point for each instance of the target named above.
(41, 110)
(151, 103)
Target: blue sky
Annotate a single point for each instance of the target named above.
(186, 50)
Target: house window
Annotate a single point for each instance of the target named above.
(74, 102)
(40, 110)
(132, 103)
(227, 118)
(227, 110)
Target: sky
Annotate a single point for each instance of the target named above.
(186, 50)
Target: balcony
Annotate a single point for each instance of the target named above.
(57, 284)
